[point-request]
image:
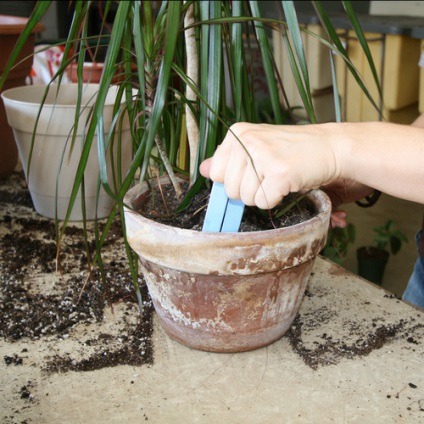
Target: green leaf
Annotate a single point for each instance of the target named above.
(171, 32)
(238, 63)
(267, 62)
(210, 81)
(339, 49)
(363, 42)
(194, 189)
(336, 96)
(97, 119)
(294, 30)
(395, 245)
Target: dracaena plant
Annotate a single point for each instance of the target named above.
(179, 63)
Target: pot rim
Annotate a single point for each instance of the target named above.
(319, 198)
(10, 95)
(14, 25)
(241, 253)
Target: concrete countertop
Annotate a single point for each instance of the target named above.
(355, 354)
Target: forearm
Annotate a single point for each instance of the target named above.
(388, 157)
(260, 163)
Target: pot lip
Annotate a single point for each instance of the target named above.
(315, 194)
(10, 93)
(99, 65)
(14, 25)
(372, 250)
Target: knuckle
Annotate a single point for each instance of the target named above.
(239, 127)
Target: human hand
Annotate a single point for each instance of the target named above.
(344, 191)
(261, 163)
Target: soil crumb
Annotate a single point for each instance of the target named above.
(39, 301)
(324, 334)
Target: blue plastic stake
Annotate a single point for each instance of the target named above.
(223, 214)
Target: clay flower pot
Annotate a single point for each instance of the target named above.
(225, 292)
(92, 72)
(10, 29)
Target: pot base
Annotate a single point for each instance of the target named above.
(46, 206)
(226, 314)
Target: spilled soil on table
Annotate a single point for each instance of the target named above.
(33, 308)
(39, 301)
(313, 338)
(42, 297)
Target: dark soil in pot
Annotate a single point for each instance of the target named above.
(161, 204)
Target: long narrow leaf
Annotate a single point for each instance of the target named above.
(204, 62)
(211, 59)
(172, 28)
(139, 54)
(340, 49)
(306, 99)
(214, 79)
(363, 42)
(294, 30)
(337, 107)
(108, 72)
(268, 64)
(237, 60)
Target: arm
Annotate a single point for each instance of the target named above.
(346, 191)
(388, 157)
(283, 159)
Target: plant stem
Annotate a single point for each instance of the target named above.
(168, 166)
(193, 74)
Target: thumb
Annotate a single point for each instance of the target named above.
(205, 167)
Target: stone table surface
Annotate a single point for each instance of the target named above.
(354, 354)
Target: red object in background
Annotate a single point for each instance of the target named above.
(10, 29)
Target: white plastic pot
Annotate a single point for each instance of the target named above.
(52, 167)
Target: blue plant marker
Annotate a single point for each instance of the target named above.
(233, 216)
(223, 214)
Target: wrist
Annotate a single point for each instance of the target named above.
(341, 149)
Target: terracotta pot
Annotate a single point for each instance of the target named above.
(53, 167)
(226, 292)
(92, 72)
(10, 29)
